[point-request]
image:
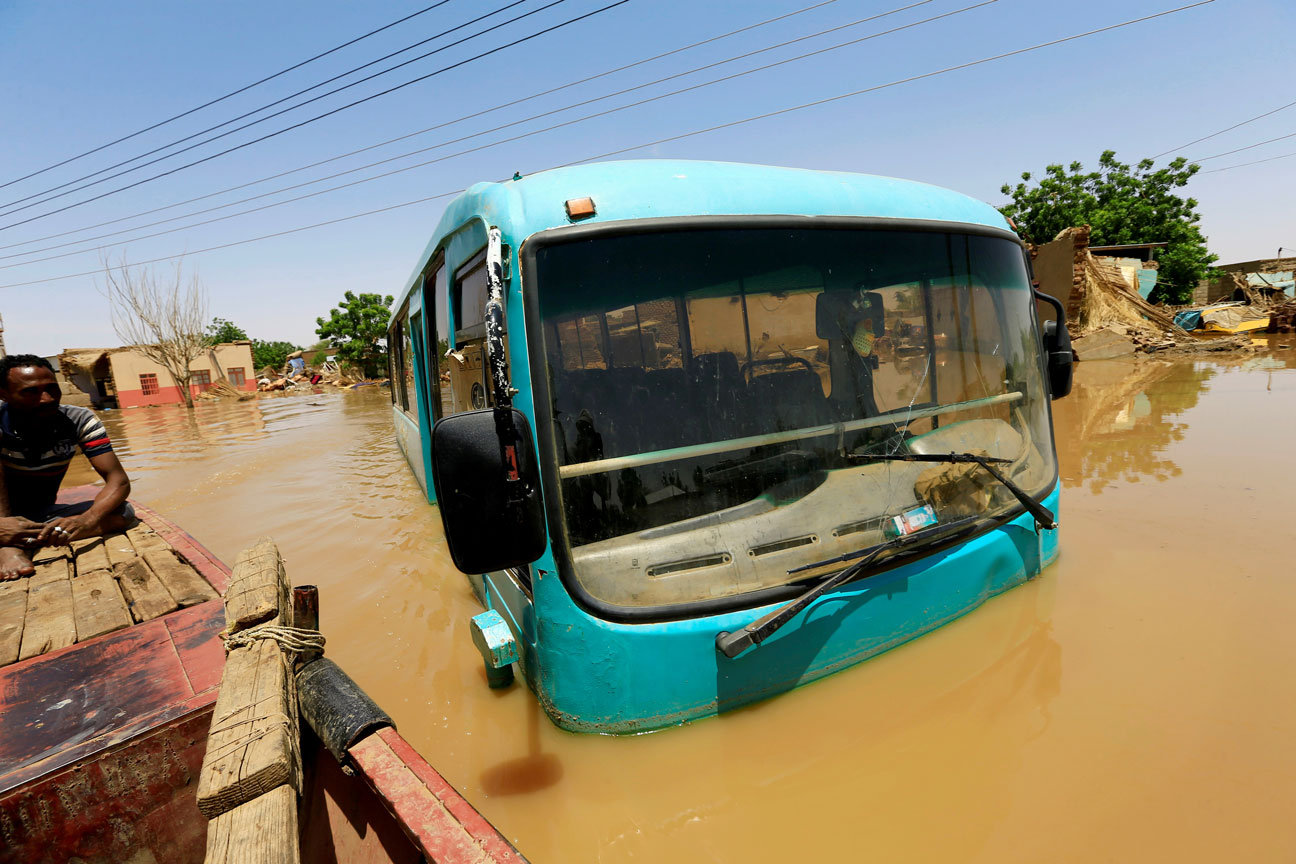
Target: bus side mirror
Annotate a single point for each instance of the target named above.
(1059, 358)
(492, 522)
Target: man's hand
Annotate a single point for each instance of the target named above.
(61, 532)
(17, 531)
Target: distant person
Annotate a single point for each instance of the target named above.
(38, 437)
(296, 364)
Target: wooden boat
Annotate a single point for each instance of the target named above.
(105, 706)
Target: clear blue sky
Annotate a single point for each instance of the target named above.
(79, 74)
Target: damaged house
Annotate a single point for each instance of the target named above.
(125, 378)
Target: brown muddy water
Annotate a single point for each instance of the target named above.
(1134, 703)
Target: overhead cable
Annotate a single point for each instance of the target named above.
(703, 131)
(280, 101)
(281, 112)
(232, 93)
(499, 128)
(1222, 131)
(408, 135)
(1248, 147)
(1245, 164)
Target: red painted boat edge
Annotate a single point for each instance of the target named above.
(436, 818)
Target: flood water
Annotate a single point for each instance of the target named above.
(1133, 703)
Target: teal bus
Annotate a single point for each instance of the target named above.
(700, 433)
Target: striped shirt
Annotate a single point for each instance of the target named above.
(34, 466)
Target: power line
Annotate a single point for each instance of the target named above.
(506, 126)
(228, 95)
(1245, 164)
(278, 113)
(1222, 131)
(408, 135)
(258, 110)
(728, 125)
(1248, 147)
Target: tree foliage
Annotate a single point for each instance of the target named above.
(272, 354)
(221, 330)
(160, 315)
(357, 328)
(1121, 204)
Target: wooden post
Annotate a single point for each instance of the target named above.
(305, 607)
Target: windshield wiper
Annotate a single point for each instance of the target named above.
(733, 644)
(1044, 517)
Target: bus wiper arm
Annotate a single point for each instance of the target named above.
(733, 644)
(1044, 517)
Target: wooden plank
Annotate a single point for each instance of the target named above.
(97, 605)
(258, 590)
(183, 583)
(144, 538)
(142, 590)
(53, 570)
(50, 624)
(262, 831)
(13, 609)
(49, 553)
(90, 555)
(119, 548)
(253, 745)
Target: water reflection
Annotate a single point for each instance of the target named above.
(1123, 701)
(1119, 421)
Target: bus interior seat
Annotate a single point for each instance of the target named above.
(788, 400)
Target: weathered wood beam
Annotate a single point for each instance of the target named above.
(253, 745)
(50, 622)
(91, 555)
(13, 611)
(258, 589)
(97, 605)
(181, 581)
(262, 831)
(147, 597)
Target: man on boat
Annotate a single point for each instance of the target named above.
(38, 437)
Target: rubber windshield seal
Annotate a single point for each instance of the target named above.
(543, 407)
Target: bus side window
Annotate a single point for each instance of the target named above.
(437, 365)
(470, 388)
(412, 327)
(397, 340)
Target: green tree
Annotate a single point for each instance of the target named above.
(1121, 205)
(221, 330)
(357, 328)
(272, 354)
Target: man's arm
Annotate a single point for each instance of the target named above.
(14, 530)
(106, 504)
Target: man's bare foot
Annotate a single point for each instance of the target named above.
(14, 564)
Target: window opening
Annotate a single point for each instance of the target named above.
(149, 383)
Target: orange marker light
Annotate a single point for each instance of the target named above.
(580, 208)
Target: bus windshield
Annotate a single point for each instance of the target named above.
(716, 394)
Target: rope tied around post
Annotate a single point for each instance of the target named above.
(292, 640)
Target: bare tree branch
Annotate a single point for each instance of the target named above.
(161, 316)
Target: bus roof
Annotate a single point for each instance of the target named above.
(664, 188)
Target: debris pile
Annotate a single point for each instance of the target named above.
(1282, 319)
(222, 389)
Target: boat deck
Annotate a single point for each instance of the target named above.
(94, 587)
(97, 648)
